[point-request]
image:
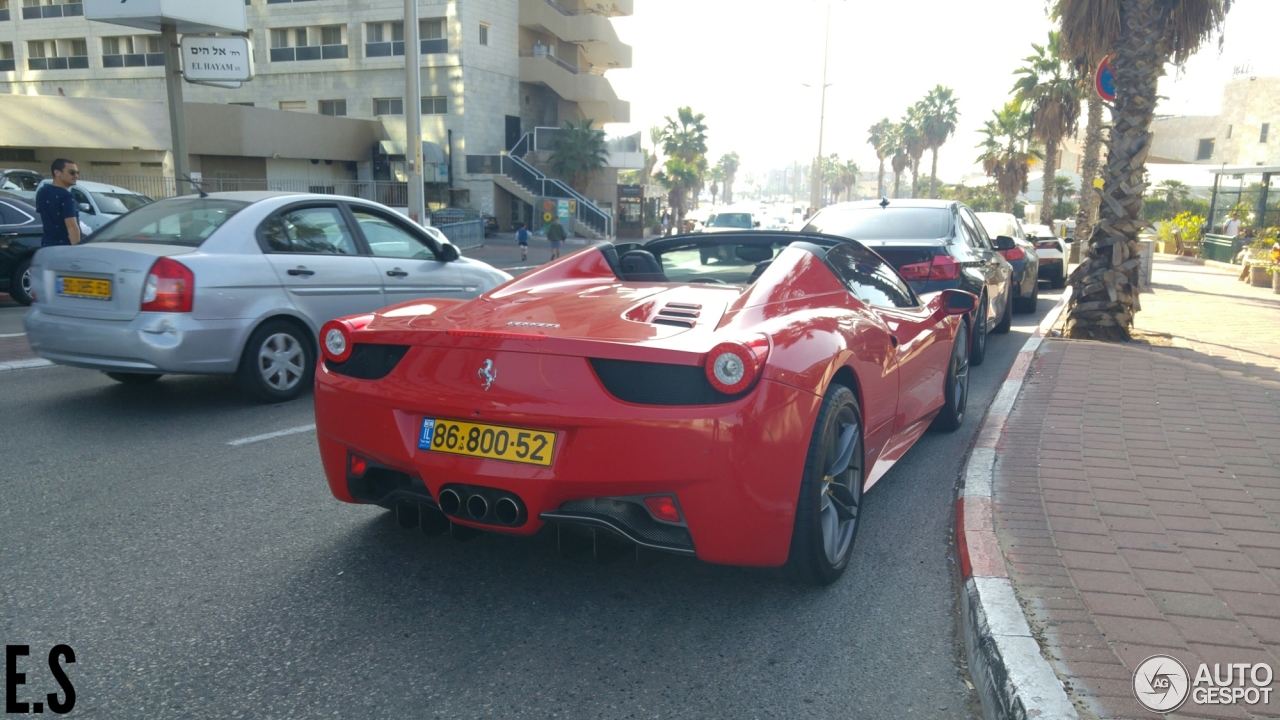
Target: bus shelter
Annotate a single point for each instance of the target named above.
(1232, 186)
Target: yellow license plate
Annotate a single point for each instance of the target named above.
(84, 287)
(532, 447)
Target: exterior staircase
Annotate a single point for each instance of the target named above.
(531, 185)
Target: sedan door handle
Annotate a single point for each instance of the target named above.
(397, 273)
(301, 271)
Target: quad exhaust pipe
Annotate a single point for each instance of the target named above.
(489, 506)
(506, 511)
(477, 507)
(450, 501)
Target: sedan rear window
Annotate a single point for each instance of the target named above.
(179, 221)
(731, 220)
(119, 203)
(903, 223)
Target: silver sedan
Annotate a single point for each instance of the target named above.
(234, 283)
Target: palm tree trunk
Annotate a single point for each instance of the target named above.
(897, 185)
(1046, 183)
(880, 180)
(915, 178)
(933, 177)
(1105, 287)
(1089, 170)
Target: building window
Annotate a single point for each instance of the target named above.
(384, 39)
(1230, 129)
(36, 9)
(324, 43)
(388, 106)
(432, 34)
(6, 57)
(1205, 152)
(4, 10)
(1266, 130)
(435, 105)
(484, 34)
(336, 108)
(127, 51)
(70, 54)
(294, 105)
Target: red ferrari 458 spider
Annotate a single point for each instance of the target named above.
(728, 396)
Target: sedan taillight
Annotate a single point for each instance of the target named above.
(1047, 245)
(941, 267)
(170, 287)
(1014, 254)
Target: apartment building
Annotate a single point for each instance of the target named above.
(1245, 132)
(492, 70)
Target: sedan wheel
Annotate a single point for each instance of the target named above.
(278, 362)
(20, 284)
(978, 345)
(828, 510)
(956, 387)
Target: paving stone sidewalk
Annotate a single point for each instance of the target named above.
(1137, 494)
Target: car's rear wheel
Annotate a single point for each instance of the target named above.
(978, 345)
(278, 362)
(20, 283)
(828, 509)
(1027, 303)
(1059, 280)
(128, 378)
(956, 386)
(1006, 320)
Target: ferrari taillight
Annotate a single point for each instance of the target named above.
(941, 267)
(335, 341)
(733, 367)
(170, 287)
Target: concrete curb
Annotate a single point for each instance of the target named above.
(24, 364)
(1012, 677)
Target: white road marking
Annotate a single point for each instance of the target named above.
(24, 364)
(11, 335)
(273, 435)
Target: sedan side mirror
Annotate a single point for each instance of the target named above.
(958, 302)
(449, 253)
(1004, 242)
(757, 224)
(86, 208)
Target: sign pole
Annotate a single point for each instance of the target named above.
(177, 112)
(413, 113)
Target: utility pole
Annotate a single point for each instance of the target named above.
(413, 113)
(815, 191)
(177, 111)
(795, 185)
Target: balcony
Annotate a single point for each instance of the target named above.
(51, 11)
(133, 60)
(74, 62)
(309, 52)
(589, 29)
(396, 48)
(592, 92)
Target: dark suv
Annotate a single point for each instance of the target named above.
(934, 245)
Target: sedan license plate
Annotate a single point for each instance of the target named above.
(84, 288)
(531, 447)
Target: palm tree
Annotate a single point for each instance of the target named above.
(899, 160)
(1006, 151)
(1145, 35)
(877, 137)
(1060, 188)
(940, 116)
(1175, 192)
(651, 158)
(728, 165)
(684, 141)
(580, 152)
(914, 142)
(678, 177)
(849, 178)
(1049, 85)
(716, 176)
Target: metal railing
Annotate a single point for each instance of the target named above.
(535, 181)
(548, 56)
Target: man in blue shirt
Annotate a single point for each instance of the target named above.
(58, 207)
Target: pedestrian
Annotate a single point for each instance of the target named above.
(666, 224)
(1231, 228)
(522, 239)
(556, 236)
(58, 208)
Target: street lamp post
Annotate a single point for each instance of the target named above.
(815, 192)
(413, 114)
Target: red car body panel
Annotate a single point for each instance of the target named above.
(735, 467)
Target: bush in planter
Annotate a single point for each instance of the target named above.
(1183, 233)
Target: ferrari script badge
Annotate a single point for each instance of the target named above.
(487, 373)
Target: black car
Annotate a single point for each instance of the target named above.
(490, 226)
(20, 231)
(934, 245)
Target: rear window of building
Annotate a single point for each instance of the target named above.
(904, 223)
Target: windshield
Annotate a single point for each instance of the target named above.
(180, 221)
(119, 203)
(731, 220)
(903, 223)
(727, 263)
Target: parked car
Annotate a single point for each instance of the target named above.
(1053, 252)
(234, 283)
(490, 226)
(934, 245)
(101, 203)
(731, 220)
(22, 183)
(545, 401)
(1023, 258)
(20, 234)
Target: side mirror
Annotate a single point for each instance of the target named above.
(449, 253)
(86, 208)
(1004, 242)
(958, 302)
(757, 224)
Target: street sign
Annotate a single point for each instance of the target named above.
(1105, 80)
(187, 16)
(216, 59)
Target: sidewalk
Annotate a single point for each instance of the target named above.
(1137, 495)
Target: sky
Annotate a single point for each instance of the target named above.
(743, 64)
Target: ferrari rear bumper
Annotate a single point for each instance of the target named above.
(734, 469)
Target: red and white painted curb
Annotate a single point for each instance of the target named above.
(1012, 678)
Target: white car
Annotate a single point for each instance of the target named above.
(101, 203)
(1053, 253)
